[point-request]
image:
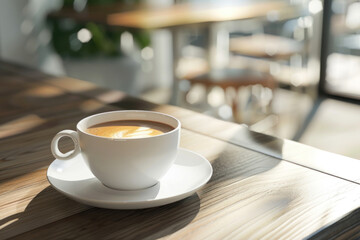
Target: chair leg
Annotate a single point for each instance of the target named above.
(236, 107)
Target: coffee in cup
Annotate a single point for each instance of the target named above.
(129, 129)
(125, 150)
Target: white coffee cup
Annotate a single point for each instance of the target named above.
(123, 163)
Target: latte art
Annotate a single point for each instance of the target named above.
(129, 129)
(133, 132)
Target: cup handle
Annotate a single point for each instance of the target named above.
(55, 145)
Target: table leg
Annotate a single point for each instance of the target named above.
(218, 46)
(177, 44)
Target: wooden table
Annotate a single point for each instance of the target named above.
(262, 187)
(199, 13)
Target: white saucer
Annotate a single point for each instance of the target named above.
(74, 179)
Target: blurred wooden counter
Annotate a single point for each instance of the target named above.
(189, 14)
(148, 17)
(262, 187)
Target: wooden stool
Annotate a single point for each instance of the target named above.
(233, 78)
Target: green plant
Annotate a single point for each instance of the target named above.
(99, 40)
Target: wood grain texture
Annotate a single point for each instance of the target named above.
(250, 195)
(262, 187)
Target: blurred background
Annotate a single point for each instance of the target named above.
(286, 68)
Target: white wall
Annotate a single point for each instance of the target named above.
(23, 36)
(12, 41)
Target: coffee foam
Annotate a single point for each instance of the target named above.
(138, 132)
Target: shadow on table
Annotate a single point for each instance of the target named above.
(71, 220)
